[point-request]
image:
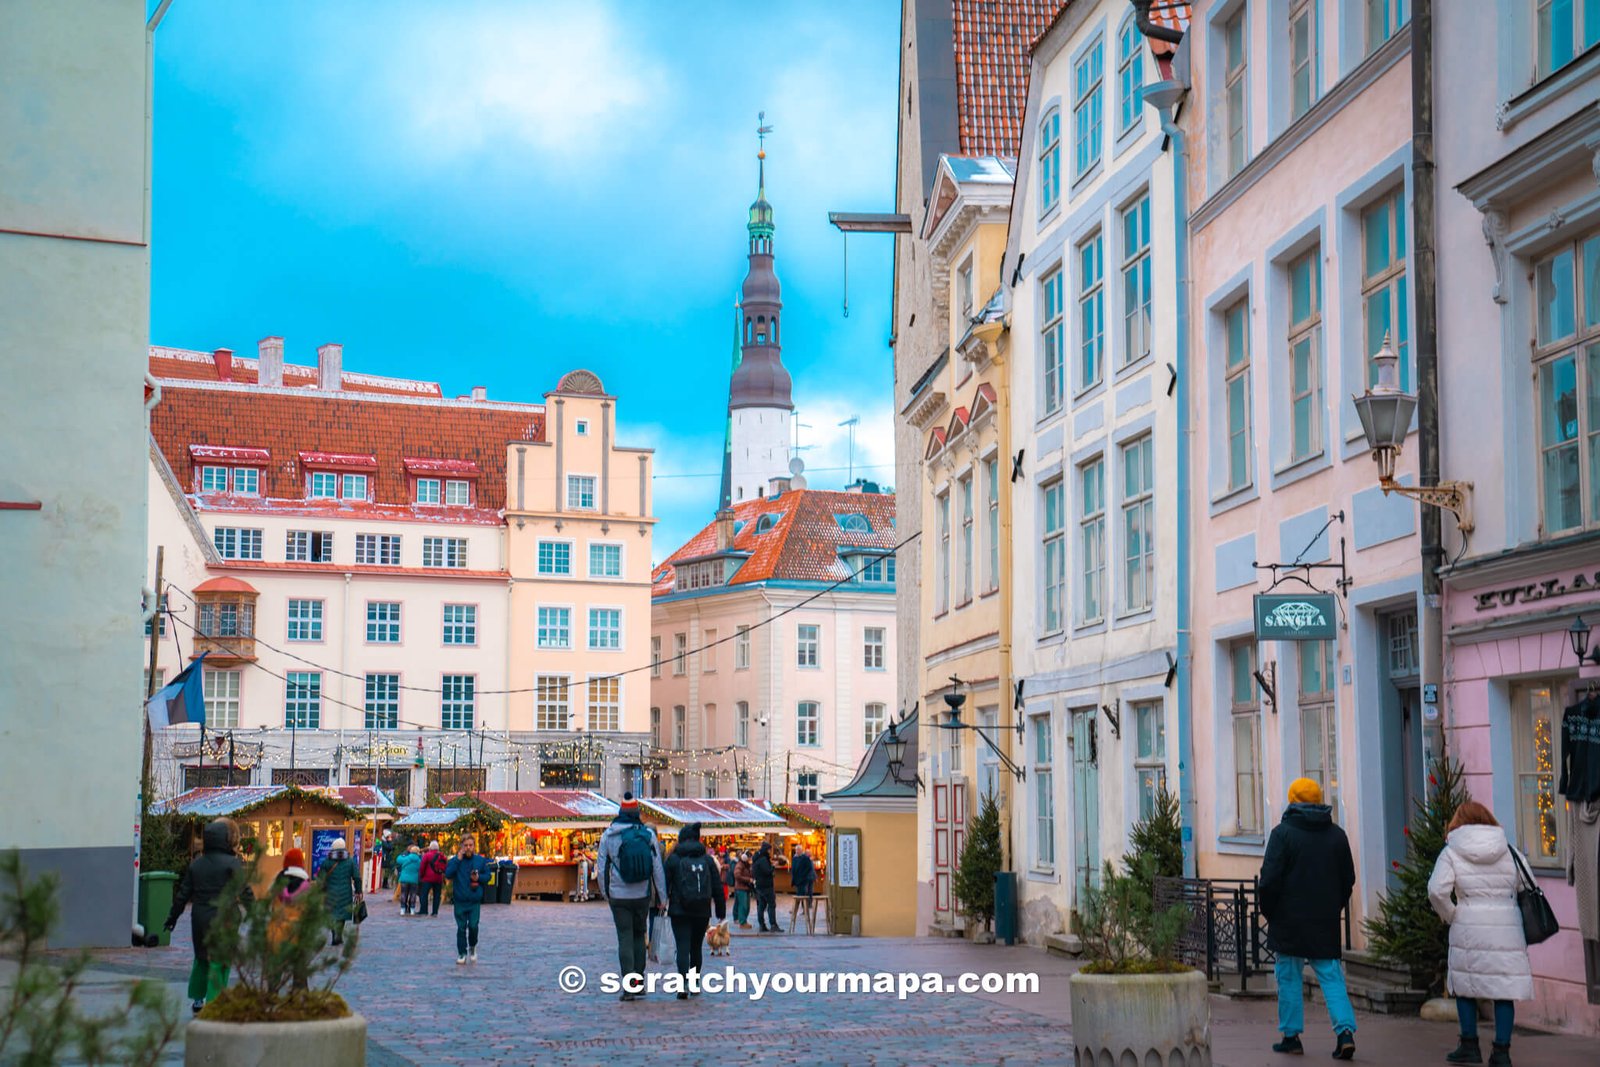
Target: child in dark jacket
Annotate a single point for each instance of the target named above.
(201, 886)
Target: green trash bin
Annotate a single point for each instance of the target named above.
(155, 903)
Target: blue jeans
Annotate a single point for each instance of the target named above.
(1291, 994)
(466, 927)
(1505, 1013)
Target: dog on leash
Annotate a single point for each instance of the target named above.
(720, 938)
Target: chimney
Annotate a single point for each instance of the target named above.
(780, 485)
(724, 529)
(223, 358)
(330, 367)
(269, 357)
(480, 393)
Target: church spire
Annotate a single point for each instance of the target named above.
(761, 380)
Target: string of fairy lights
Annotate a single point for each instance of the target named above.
(723, 763)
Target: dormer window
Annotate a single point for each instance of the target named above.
(427, 490)
(324, 485)
(766, 523)
(243, 481)
(338, 475)
(213, 479)
(354, 487)
(457, 492)
(445, 482)
(227, 469)
(853, 523)
(875, 568)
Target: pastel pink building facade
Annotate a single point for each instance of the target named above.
(1518, 149)
(772, 648)
(1298, 189)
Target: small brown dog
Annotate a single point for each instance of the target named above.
(720, 938)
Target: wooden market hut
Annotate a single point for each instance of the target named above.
(725, 822)
(872, 886)
(550, 833)
(810, 824)
(272, 819)
(446, 825)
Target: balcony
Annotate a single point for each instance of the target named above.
(225, 624)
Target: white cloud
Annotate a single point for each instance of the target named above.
(828, 459)
(563, 80)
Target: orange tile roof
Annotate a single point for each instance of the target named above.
(992, 39)
(1174, 15)
(183, 364)
(804, 543)
(454, 574)
(393, 429)
(225, 584)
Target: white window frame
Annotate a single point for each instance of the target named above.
(1053, 339)
(304, 620)
(1383, 20)
(1053, 557)
(741, 723)
(555, 546)
(221, 694)
(1041, 749)
(1245, 714)
(1385, 304)
(1544, 58)
(741, 649)
(1092, 540)
(874, 720)
(1541, 825)
(250, 475)
(1302, 68)
(302, 700)
(429, 491)
(581, 487)
(458, 701)
(457, 492)
(355, 487)
(381, 701)
(1138, 524)
(607, 548)
(991, 477)
(445, 553)
(806, 789)
(383, 622)
(1149, 753)
(379, 550)
(1137, 324)
(680, 727)
(603, 637)
(874, 645)
(1091, 256)
(213, 479)
(1236, 377)
(1130, 76)
(655, 656)
(1573, 340)
(680, 654)
(322, 485)
(1319, 718)
(462, 631)
(237, 542)
(808, 724)
(552, 702)
(556, 633)
(808, 645)
(1049, 161)
(942, 563)
(604, 699)
(302, 546)
(1088, 109)
(965, 492)
(1307, 333)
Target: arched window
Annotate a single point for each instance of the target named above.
(761, 330)
(748, 329)
(774, 329)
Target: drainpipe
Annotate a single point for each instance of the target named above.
(992, 335)
(1424, 283)
(1180, 247)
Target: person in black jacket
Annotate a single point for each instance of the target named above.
(766, 896)
(802, 873)
(1306, 879)
(694, 887)
(203, 881)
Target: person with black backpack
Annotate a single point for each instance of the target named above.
(694, 887)
(630, 866)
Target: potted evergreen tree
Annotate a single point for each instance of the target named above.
(979, 863)
(1134, 1001)
(281, 1006)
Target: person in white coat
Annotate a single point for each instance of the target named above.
(1474, 889)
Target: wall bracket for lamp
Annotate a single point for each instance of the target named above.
(1114, 717)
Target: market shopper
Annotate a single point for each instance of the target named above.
(431, 879)
(744, 885)
(409, 867)
(467, 873)
(630, 871)
(290, 892)
(762, 872)
(802, 872)
(694, 888)
(1474, 889)
(341, 887)
(1306, 879)
(200, 888)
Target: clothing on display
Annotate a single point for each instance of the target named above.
(1580, 785)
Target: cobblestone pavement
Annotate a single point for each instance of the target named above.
(508, 1008)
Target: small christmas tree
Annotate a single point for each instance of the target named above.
(1406, 931)
(1157, 844)
(980, 861)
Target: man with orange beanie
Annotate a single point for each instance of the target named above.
(1306, 880)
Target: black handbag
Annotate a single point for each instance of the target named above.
(360, 915)
(1538, 919)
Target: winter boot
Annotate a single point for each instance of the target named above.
(1290, 1045)
(1466, 1052)
(1500, 1055)
(1345, 1048)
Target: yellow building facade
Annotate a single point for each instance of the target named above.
(959, 409)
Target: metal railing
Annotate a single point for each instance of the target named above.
(1226, 932)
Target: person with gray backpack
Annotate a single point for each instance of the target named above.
(694, 887)
(630, 866)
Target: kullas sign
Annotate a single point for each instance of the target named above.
(1296, 617)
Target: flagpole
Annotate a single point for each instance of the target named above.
(156, 621)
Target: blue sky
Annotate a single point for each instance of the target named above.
(492, 194)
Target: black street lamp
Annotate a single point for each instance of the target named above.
(1578, 634)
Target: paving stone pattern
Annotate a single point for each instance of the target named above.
(423, 1009)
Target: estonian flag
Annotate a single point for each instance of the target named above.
(180, 701)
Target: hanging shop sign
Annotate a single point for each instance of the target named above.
(1296, 617)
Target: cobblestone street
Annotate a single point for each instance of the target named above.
(508, 1009)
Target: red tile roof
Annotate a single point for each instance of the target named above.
(992, 38)
(389, 428)
(182, 364)
(545, 805)
(454, 574)
(802, 545)
(225, 585)
(1174, 15)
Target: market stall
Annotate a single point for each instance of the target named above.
(272, 819)
(810, 823)
(379, 809)
(552, 834)
(725, 823)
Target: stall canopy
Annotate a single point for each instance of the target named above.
(561, 809)
(452, 820)
(716, 815)
(805, 816)
(213, 802)
(365, 797)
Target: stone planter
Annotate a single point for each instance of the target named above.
(1142, 1018)
(325, 1043)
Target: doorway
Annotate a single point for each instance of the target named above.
(1085, 802)
(1404, 761)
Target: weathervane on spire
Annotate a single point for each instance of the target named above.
(762, 129)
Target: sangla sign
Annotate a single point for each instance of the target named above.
(1296, 617)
